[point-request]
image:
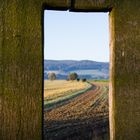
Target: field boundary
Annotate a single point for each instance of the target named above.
(65, 100)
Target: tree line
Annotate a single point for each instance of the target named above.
(71, 76)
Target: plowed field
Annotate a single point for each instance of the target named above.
(84, 117)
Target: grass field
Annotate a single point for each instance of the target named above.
(82, 112)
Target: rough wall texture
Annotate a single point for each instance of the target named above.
(92, 5)
(21, 57)
(20, 70)
(125, 43)
(57, 4)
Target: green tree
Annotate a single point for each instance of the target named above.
(73, 76)
(84, 80)
(51, 76)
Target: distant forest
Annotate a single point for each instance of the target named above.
(85, 69)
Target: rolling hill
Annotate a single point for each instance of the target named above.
(84, 68)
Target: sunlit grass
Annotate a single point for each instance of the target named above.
(58, 88)
(58, 91)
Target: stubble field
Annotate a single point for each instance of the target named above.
(83, 116)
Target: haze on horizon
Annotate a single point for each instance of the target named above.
(74, 60)
(76, 36)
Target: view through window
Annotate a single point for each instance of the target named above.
(76, 76)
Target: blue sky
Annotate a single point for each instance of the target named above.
(76, 36)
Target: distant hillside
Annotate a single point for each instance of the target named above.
(84, 68)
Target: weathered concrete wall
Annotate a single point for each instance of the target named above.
(21, 58)
(92, 5)
(125, 46)
(56, 4)
(20, 70)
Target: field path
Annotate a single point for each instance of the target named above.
(83, 114)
